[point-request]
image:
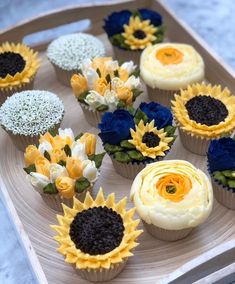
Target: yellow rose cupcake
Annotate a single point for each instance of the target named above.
(172, 197)
(18, 67)
(97, 236)
(63, 166)
(203, 112)
(168, 67)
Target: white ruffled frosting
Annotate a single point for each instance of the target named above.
(164, 213)
(172, 76)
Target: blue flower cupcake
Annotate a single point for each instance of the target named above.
(131, 32)
(221, 166)
(136, 138)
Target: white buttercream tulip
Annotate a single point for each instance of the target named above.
(67, 132)
(78, 150)
(112, 65)
(91, 76)
(94, 100)
(129, 66)
(45, 146)
(57, 170)
(89, 170)
(111, 99)
(132, 82)
(38, 181)
(86, 64)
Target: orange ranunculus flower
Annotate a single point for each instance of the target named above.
(65, 186)
(125, 94)
(42, 166)
(31, 154)
(89, 140)
(123, 74)
(57, 155)
(79, 84)
(74, 167)
(100, 86)
(169, 55)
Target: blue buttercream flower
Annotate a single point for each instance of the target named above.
(115, 126)
(115, 22)
(221, 154)
(161, 115)
(154, 17)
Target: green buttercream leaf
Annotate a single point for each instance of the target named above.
(30, 169)
(81, 184)
(119, 40)
(136, 14)
(102, 108)
(82, 97)
(140, 115)
(126, 144)
(170, 130)
(116, 73)
(231, 183)
(50, 189)
(131, 110)
(78, 136)
(47, 156)
(135, 73)
(53, 132)
(136, 93)
(220, 177)
(135, 155)
(227, 173)
(62, 163)
(97, 158)
(121, 104)
(122, 157)
(67, 151)
(98, 72)
(112, 148)
(108, 78)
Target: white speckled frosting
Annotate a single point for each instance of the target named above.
(193, 210)
(171, 76)
(30, 113)
(69, 51)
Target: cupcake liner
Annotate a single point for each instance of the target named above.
(64, 76)
(163, 97)
(54, 200)
(92, 117)
(126, 55)
(102, 275)
(166, 235)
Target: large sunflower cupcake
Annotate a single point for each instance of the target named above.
(97, 236)
(104, 85)
(131, 32)
(18, 67)
(135, 139)
(203, 112)
(62, 166)
(168, 67)
(172, 197)
(221, 167)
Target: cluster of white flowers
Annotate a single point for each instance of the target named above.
(78, 151)
(69, 51)
(30, 113)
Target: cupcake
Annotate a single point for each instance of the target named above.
(203, 112)
(131, 32)
(104, 85)
(135, 139)
(67, 53)
(97, 236)
(168, 67)
(26, 115)
(62, 166)
(221, 167)
(18, 67)
(172, 197)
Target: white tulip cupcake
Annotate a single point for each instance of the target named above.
(172, 197)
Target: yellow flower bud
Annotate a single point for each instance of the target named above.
(57, 155)
(79, 84)
(89, 140)
(123, 74)
(42, 166)
(31, 154)
(99, 63)
(100, 86)
(74, 167)
(56, 142)
(65, 186)
(125, 94)
(47, 137)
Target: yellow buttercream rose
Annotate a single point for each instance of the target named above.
(42, 166)
(65, 186)
(89, 140)
(125, 94)
(57, 155)
(79, 84)
(31, 154)
(74, 167)
(100, 86)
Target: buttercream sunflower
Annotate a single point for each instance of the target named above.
(97, 236)
(18, 67)
(203, 112)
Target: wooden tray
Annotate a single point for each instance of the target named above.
(205, 256)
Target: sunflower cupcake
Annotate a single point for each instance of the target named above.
(172, 197)
(67, 53)
(131, 32)
(202, 113)
(26, 115)
(135, 139)
(97, 236)
(104, 85)
(221, 167)
(168, 67)
(62, 166)
(18, 67)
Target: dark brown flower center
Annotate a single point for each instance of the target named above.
(139, 34)
(150, 139)
(11, 63)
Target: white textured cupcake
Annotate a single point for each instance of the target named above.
(172, 197)
(67, 53)
(168, 67)
(26, 115)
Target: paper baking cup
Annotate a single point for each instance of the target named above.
(54, 200)
(102, 275)
(92, 117)
(195, 144)
(126, 55)
(64, 76)
(166, 235)
(163, 97)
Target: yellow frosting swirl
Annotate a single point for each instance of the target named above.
(189, 205)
